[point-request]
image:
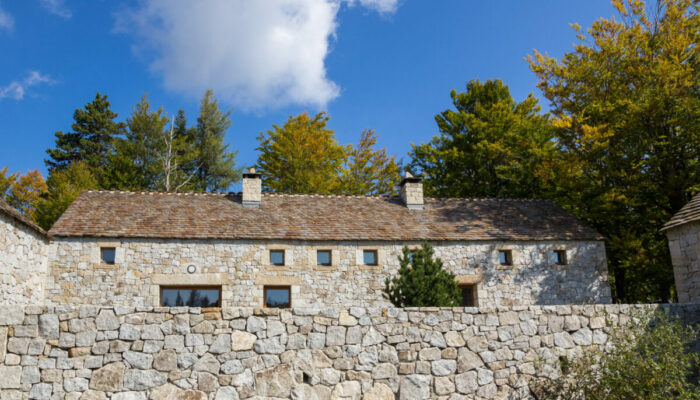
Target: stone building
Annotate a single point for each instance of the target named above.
(257, 249)
(683, 233)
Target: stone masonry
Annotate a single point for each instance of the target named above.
(238, 353)
(76, 275)
(684, 243)
(23, 260)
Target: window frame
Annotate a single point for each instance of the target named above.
(102, 259)
(463, 286)
(277, 287)
(376, 257)
(509, 257)
(560, 257)
(161, 288)
(330, 258)
(284, 257)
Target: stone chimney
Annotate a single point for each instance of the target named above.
(252, 188)
(412, 192)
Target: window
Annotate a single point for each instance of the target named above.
(107, 254)
(412, 255)
(190, 296)
(369, 257)
(323, 257)
(560, 257)
(278, 296)
(277, 257)
(505, 257)
(467, 296)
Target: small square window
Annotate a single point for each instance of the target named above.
(277, 257)
(369, 257)
(412, 255)
(278, 296)
(323, 257)
(560, 257)
(467, 296)
(107, 254)
(505, 257)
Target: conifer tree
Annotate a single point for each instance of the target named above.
(422, 281)
(369, 171)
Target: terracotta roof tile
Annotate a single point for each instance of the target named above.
(689, 213)
(314, 217)
(12, 212)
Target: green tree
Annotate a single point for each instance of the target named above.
(22, 192)
(489, 145)
(422, 281)
(625, 104)
(369, 171)
(6, 181)
(63, 187)
(94, 134)
(649, 358)
(302, 156)
(215, 164)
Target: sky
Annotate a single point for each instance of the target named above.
(388, 65)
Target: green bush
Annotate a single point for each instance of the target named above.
(648, 358)
(422, 281)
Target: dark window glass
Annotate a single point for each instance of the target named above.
(107, 254)
(323, 257)
(190, 297)
(560, 257)
(370, 257)
(505, 257)
(277, 257)
(278, 296)
(467, 296)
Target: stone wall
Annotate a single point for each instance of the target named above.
(179, 353)
(23, 259)
(684, 243)
(76, 275)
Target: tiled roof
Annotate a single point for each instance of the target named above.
(12, 212)
(689, 213)
(314, 217)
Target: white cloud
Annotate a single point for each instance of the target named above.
(57, 7)
(254, 54)
(6, 20)
(383, 6)
(17, 89)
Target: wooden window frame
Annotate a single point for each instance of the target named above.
(276, 287)
(330, 257)
(102, 259)
(284, 257)
(509, 257)
(560, 257)
(189, 287)
(376, 257)
(473, 287)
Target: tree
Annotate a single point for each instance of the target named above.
(626, 104)
(6, 181)
(22, 192)
(370, 171)
(63, 187)
(216, 165)
(94, 133)
(422, 281)
(489, 145)
(302, 156)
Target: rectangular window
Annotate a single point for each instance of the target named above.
(190, 296)
(278, 296)
(107, 254)
(505, 257)
(323, 257)
(411, 255)
(277, 257)
(560, 257)
(369, 257)
(467, 296)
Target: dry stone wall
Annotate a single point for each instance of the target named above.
(76, 275)
(684, 243)
(125, 353)
(23, 260)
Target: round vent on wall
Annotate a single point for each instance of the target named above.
(191, 269)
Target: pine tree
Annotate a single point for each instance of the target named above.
(370, 171)
(422, 281)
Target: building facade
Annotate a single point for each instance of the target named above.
(683, 233)
(256, 249)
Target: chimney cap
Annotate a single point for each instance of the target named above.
(409, 178)
(251, 174)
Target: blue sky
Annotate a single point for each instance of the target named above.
(382, 64)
